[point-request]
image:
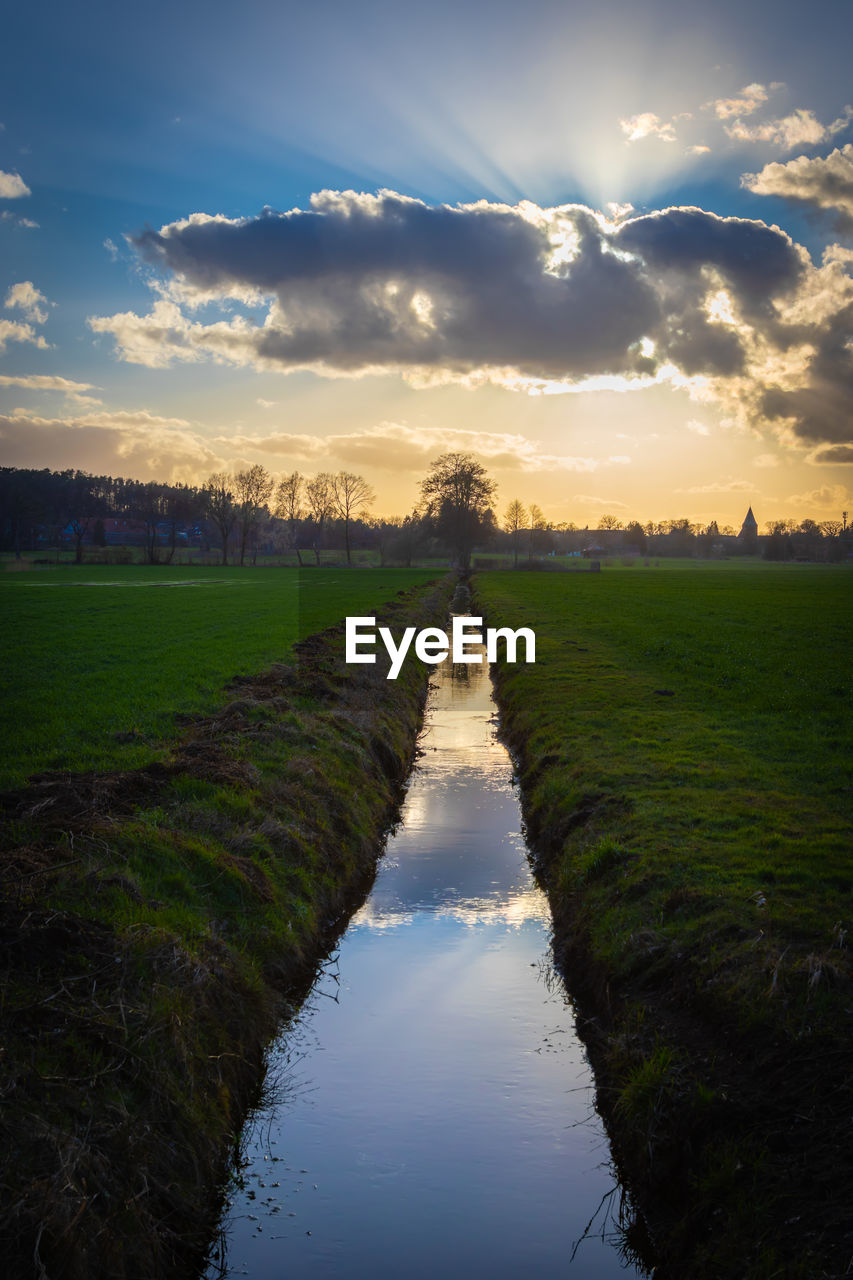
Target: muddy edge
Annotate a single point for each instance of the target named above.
(131, 1053)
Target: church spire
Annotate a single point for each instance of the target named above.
(749, 528)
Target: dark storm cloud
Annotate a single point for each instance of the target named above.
(757, 261)
(344, 236)
(823, 407)
(391, 281)
(384, 282)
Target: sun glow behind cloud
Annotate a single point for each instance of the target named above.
(539, 300)
(517, 113)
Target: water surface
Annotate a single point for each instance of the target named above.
(435, 1114)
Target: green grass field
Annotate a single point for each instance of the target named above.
(98, 659)
(684, 748)
(158, 923)
(684, 744)
(709, 715)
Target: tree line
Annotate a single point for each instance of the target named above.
(241, 511)
(247, 512)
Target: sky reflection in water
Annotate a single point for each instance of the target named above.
(435, 1111)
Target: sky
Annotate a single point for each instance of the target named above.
(607, 249)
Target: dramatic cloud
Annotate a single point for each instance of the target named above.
(12, 186)
(27, 298)
(823, 182)
(647, 125)
(532, 299)
(819, 405)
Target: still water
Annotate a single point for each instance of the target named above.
(435, 1110)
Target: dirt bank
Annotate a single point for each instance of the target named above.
(157, 925)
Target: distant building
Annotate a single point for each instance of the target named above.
(749, 528)
(124, 533)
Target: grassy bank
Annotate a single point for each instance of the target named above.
(99, 661)
(155, 924)
(684, 745)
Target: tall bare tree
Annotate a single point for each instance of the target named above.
(350, 494)
(152, 509)
(289, 507)
(537, 523)
(515, 518)
(254, 489)
(219, 506)
(318, 492)
(82, 507)
(180, 504)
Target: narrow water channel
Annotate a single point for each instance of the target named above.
(435, 1110)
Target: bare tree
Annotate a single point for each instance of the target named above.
(288, 506)
(537, 523)
(180, 506)
(254, 489)
(831, 528)
(515, 518)
(219, 506)
(82, 506)
(350, 494)
(79, 526)
(610, 522)
(152, 510)
(318, 492)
